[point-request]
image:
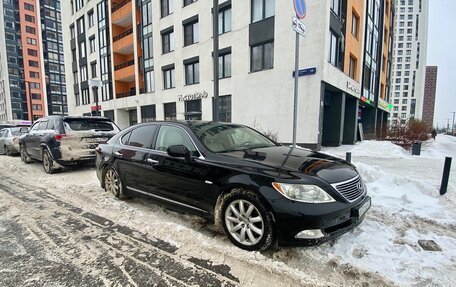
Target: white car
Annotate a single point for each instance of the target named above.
(9, 140)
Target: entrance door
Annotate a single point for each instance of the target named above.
(132, 117)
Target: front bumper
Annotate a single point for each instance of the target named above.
(333, 219)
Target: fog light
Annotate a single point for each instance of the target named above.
(310, 234)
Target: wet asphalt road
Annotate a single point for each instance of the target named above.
(45, 241)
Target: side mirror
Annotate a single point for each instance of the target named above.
(179, 151)
(23, 130)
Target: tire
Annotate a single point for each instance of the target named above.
(24, 156)
(48, 163)
(247, 222)
(113, 183)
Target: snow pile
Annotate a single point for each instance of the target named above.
(377, 149)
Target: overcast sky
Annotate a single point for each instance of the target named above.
(442, 53)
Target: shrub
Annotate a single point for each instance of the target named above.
(413, 131)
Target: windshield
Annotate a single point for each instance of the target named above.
(90, 124)
(220, 138)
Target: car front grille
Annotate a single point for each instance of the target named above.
(351, 189)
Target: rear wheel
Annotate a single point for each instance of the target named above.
(24, 156)
(112, 183)
(247, 223)
(7, 151)
(49, 164)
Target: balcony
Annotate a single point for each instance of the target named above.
(122, 13)
(130, 93)
(125, 72)
(123, 43)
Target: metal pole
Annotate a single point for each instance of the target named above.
(31, 99)
(348, 156)
(452, 127)
(215, 116)
(95, 92)
(296, 75)
(445, 176)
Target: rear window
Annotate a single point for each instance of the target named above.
(89, 125)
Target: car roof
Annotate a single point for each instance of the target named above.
(187, 123)
(75, 117)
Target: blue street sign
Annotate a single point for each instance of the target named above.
(306, 72)
(300, 8)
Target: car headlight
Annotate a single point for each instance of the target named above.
(303, 192)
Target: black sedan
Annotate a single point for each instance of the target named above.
(259, 191)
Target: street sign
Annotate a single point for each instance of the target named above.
(299, 27)
(95, 83)
(300, 8)
(306, 72)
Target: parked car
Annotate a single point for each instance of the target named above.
(258, 190)
(64, 141)
(9, 140)
(2, 126)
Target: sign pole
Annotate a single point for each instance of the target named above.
(296, 75)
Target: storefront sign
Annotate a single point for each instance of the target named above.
(354, 88)
(366, 100)
(384, 105)
(195, 96)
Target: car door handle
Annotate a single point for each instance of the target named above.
(152, 161)
(118, 153)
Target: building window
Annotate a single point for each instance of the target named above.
(31, 41)
(35, 75)
(335, 6)
(166, 7)
(170, 111)
(262, 57)
(191, 33)
(192, 73)
(333, 48)
(32, 52)
(73, 53)
(72, 32)
(355, 24)
(149, 81)
(29, 18)
(83, 73)
(33, 64)
(262, 9)
(353, 67)
(188, 2)
(79, 4)
(91, 19)
(225, 66)
(193, 110)
(93, 47)
(82, 50)
(224, 108)
(224, 20)
(37, 107)
(78, 99)
(93, 68)
(148, 114)
(169, 78)
(80, 25)
(168, 41)
(29, 7)
(30, 30)
(85, 97)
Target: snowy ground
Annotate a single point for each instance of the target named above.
(383, 250)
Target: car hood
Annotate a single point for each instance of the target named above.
(289, 161)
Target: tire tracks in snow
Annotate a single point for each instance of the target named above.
(95, 245)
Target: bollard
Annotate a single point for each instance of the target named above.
(348, 157)
(446, 176)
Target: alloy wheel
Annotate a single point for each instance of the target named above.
(244, 222)
(47, 162)
(112, 183)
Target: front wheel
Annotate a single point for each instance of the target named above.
(246, 221)
(112, 183)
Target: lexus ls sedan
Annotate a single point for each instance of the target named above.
(260, 192)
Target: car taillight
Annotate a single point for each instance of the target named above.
(58, 137)
(98, 149)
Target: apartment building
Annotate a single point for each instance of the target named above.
(430, 88)
(409, 68)
(32, 63)
(155, 62)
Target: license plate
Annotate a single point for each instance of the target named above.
(364, 208)
(96, 140)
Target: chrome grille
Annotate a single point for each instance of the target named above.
(351, 189)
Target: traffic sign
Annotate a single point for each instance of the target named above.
(299, 27)
(300, 8)
(306, 72)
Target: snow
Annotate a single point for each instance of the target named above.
(383, 250)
